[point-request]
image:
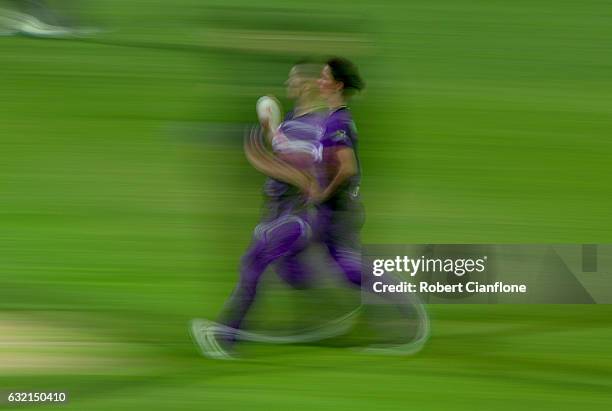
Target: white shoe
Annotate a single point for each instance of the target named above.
(31, 26)
(206, 335)
(13, 23)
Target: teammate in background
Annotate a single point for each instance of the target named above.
(36, 18)
(285, 229)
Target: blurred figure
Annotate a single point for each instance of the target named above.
(36, 18)
(286, 227)
(309, 143)
(312, 148)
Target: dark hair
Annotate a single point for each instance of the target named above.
(345, 71)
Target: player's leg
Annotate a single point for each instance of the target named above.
(341, 235)
(294, 268)
(284, 236)
(294, 271)
(272, 240)
(340, 229)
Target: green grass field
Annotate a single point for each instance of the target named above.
(127, 201)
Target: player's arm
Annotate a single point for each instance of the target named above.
(347, 168)
(277, 170)
(339, 144)
(270, 165)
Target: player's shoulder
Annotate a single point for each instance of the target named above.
(339, 128)
(340, 118)
(340, 121)
(340, 115)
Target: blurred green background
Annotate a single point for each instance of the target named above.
(127, 201)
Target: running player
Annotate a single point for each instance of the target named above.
(285, 229)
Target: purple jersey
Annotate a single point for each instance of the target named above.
(297, 134)
(340, 131)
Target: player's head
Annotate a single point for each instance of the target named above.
(302, 80)
(340, 77)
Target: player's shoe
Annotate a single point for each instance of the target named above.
(211, 339)
(21, 23)
(13, 23)
(31, 26)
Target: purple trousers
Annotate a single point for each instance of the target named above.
(279, 241)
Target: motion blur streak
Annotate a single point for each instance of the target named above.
(127, 200)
